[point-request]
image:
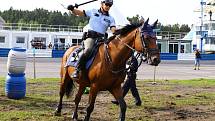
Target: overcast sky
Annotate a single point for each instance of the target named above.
(166, 11)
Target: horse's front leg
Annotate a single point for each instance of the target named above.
(117, 93)
(123, 107)
(77, 100)
(92, 98)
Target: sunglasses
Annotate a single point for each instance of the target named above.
(108, 4)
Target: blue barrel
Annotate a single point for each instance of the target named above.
(15, 86)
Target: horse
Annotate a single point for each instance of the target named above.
(107, 71)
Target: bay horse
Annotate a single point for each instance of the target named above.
(107, 71)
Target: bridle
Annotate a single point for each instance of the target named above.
(146, 34)
(145, 44)
(108, 58)
(146, 51)
(135, 36)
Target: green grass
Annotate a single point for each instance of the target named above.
(39, 103)
(195, 82)
(42, 97)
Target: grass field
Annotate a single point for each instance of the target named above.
(189, 100)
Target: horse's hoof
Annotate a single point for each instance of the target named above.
(75, 116)
(57, 113)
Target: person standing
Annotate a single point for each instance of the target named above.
(197, 59)
(50, 45)
(99, 21)
(130, 82)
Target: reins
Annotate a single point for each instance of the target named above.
(108, 58)
(118, 38)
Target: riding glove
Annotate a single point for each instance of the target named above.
(70, 7)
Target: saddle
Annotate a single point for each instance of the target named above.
(74, 56)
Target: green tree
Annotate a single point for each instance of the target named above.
(184, 28)
(42, 16)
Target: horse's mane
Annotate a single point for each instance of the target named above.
(126, 29)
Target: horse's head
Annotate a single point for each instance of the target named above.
(142, 38)
(146, 43)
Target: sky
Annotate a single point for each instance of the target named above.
(166, 11)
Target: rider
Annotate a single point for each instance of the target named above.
(99, 22)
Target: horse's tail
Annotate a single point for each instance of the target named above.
(69, 83)
(66, 80)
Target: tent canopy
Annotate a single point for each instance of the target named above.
(1, 20)
(189, 35)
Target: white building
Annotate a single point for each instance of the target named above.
(22, 35)
(202, 32)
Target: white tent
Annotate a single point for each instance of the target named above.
(120, 19)
(1, 21)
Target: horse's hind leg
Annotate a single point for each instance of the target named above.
(117, 93)
(61, 93)
(64, 82)
(77, 100)
(92, 98)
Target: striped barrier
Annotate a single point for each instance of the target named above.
(59, 54)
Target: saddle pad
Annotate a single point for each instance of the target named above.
(73, 58)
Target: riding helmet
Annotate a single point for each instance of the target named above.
(108, 1)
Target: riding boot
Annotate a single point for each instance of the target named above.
(78, 67)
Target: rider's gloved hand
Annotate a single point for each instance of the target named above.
(70, 7)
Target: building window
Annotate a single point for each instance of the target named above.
(173, 48)
(207, 40)
(213, 41)
(210, 40)
(59, 44)
(76, 42)
(38, 43)
(79, 41)
(2, 39)
(20, 40)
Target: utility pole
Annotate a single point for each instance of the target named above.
(201, 26)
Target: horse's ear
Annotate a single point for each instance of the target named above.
(145, 23)
(154, 24)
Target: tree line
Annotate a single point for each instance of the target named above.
(42, 16)
(172, 28)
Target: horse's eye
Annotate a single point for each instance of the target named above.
(146, 36)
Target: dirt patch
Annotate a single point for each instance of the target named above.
(163, 101)
(166, 106)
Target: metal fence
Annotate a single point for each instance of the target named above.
(41, 27)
